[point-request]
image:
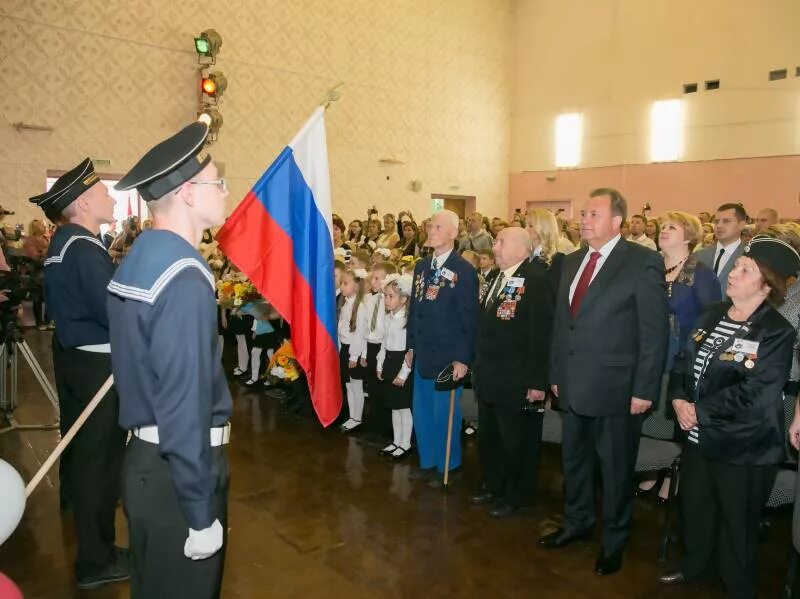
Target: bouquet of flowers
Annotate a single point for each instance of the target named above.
(283, 365)
(234, 290)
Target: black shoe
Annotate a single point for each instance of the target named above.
(116, 572)
(388, 450)
(562, 537)
(400, 454)
(503, 510)
(608, 563)
(422, 473)
(483, 497)
(674, 577)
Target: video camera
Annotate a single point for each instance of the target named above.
(16, 284)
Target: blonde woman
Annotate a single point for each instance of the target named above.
(544, 234)
(389, 237)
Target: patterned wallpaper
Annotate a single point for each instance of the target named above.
(427, 82)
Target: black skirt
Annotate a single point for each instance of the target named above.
(266, 340)
(347, 373)
(396, 398)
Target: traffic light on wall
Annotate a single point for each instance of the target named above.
(213, 84)
(207, 45)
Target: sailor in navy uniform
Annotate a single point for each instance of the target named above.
(76, 271)
(441, 331)
(174, 397)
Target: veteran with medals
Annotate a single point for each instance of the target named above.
(727, 392)
(174, 397)
(77, 269)
(440, 333)
(510, 375)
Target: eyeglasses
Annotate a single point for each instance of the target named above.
(221, 182)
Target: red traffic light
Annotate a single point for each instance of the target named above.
(209, 86)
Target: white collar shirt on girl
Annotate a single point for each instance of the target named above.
(394, 340)
(357, 340)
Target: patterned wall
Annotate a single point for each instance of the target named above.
(427, 82)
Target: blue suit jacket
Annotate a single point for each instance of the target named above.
(708, 255)
(442, 330)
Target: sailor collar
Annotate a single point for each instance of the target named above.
(156, 257)
(63, 239)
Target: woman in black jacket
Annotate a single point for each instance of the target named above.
(727, 391)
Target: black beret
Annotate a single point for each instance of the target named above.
(775, 254)
(169, 164)
(67, 188)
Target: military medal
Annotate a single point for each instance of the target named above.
(738, 357)
(749, 363)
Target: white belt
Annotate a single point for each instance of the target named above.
(220, 435)
(101, 348)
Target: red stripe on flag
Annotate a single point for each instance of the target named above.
(262, 250)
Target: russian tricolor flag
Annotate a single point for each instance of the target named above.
(280, 237)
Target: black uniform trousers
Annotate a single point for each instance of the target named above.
(380, 416)
(158, 529)
(721, 506)
(509, 448)
(90, 470)
(615, 441)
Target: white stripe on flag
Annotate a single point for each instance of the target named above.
(310, 151)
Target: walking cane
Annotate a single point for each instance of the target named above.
(73, 430)
(449, 439)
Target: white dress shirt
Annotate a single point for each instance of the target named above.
(645, 241)
(394, 339)
(604, 253)
(501, 279)
(729, 249)
(357, 340)
(441, 259)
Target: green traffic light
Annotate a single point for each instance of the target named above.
(202, 46)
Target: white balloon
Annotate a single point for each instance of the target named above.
(12, 500)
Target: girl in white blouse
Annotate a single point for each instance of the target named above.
(392, 369)
(352, 341)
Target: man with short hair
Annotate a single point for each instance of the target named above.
(511, 361)
(765, 218)
(477, 238)
(77, 270)
(638, 224)
(610, 338)
(174, 397)
(705, 217)
(729, 222)
(440, 332)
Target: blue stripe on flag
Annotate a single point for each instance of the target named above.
(283, 192)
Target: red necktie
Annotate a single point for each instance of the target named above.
(583, 283)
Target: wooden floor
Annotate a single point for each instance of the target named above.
(317, 514)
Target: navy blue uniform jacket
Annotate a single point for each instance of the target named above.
(165, 356)
(442, 330)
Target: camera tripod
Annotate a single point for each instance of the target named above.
(12, 346)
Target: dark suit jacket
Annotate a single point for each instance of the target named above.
(740, 409)
(553, 271)
(616, 345)
(512, 354)
(708, 255)
(442, 331)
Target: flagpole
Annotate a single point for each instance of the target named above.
(332, 95)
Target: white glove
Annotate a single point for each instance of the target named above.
(202, 544)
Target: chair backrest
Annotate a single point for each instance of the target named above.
(660, 423)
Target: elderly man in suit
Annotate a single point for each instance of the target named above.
(511, 361)
(729, 222)
(440, 332)
(610, 340)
